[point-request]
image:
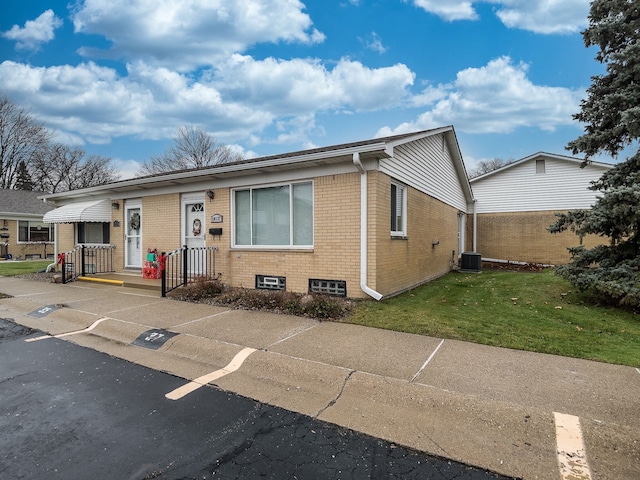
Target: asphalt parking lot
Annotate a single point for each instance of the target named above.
(71, 412)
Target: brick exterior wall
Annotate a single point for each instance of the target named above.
(335, 255)
(116, 235)
(160, 224)
(523, 237)
(394, 265)
(403, 263)
(21, 250)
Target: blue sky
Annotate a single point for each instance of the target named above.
(119, 77)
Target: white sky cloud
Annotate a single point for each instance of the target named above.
(191, 33)
(449, 9)
(374, 43)
(35, 32)
(188, 62)
(539, 16)
(244, 96)
(545, 16)
(240, 97)
(497, 98)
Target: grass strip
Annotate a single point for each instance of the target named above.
(538, 312)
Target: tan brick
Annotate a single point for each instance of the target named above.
(524, 237)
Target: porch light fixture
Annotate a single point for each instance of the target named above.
(210, 194)
(115, 206)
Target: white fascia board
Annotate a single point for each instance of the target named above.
(389, 146)
(183, 179)
(541, 155)
(21, 216)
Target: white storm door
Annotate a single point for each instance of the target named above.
(133, 234)
(193, 231)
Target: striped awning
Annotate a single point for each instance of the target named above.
(91, 211)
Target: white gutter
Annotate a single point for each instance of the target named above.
(363, 229)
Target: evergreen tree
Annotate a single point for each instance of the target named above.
(611, 112)
(23, 178)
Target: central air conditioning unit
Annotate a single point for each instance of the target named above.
(471, 262)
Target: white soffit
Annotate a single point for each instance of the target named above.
(92, 211)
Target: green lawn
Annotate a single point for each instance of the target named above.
(8, 269)
(539, 312)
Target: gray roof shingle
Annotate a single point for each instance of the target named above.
(18, 202)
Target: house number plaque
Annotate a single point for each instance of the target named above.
(217, 218)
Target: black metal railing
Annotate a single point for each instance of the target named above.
(85, 260)
(184, 265)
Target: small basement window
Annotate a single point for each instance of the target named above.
(541, 166)
(336, 288)
(270, 282)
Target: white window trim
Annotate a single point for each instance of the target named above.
(403, 232)
(234, 245)
(32, 242)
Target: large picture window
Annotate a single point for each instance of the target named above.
(34, 232)
(278, 216)
(93, 232)
(398, 210)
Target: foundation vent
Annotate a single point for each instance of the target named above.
(270, 282)
(337, 288)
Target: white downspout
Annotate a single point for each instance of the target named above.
(363, 229)
(52, 266)
(475, 225)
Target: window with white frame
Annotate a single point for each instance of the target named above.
(92, 232)
(398, 210)
(34, 232)
(275, 216)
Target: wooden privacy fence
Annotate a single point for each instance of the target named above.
(184, 265)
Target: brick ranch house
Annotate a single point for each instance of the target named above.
(516, 204)
(23, 234)
(374, 218)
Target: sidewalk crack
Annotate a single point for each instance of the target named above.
(333, 402)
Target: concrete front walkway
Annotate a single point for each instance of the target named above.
(517, 413)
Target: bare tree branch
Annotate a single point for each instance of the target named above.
(192, 148)
(486, 166)
(61, 168)
(21, 138)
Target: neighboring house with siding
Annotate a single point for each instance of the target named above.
(375, 217)
(23, 234)
(516, 204)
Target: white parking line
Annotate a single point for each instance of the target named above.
(203, 318)
(572, 457)
(427, 362)
(60, 335)
(192, 386)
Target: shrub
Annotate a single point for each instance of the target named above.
(202, 287)
(324, 306)
(312, 305)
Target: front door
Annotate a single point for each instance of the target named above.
(133, 234)
(194, 231)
